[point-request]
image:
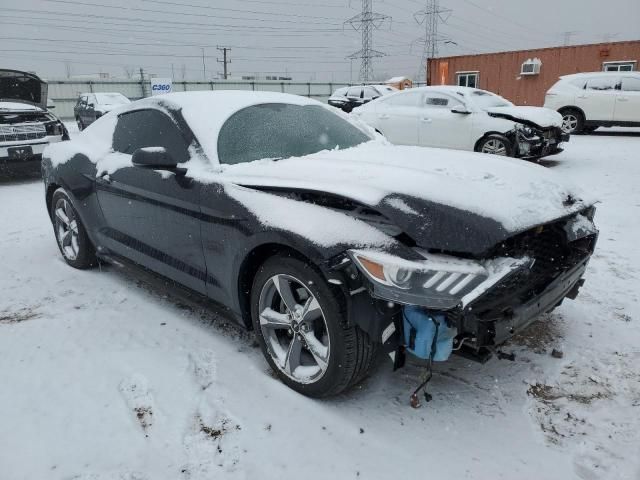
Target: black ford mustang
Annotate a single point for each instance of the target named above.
(329, 242)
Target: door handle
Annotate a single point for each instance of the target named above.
(383, 116)
(426, 120)
(582, 97)
(623, 99)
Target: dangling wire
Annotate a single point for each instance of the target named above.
(414, 400)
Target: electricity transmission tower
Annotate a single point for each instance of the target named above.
(366, 22)
(431, 16)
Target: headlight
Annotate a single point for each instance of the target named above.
(439, 282)
(54, 128)
(526, 131)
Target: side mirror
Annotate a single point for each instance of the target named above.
(155, 158)
(460, 109)
(91, 105)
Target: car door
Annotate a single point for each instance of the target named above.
(598, 98)
(152, 218)
(368, 94)
(354, 97)
(440, 127)
(397, 117)
(628, 100)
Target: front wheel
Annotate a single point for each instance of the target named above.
(303, 329)
(495, 144)
(572, 121)
(71, 236)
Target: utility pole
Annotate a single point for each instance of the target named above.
(366, 22)
(143, 86)
(431, 16)
(204, 66)
(225, 60)
(568, 35)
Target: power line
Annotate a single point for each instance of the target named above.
(366, 22)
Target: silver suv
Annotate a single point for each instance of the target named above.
(599, 99)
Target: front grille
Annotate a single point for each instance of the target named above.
(20, 132)
(551, 253)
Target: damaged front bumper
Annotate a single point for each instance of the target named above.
(537, 143)
(478, 304)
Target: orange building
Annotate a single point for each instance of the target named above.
(525, 76)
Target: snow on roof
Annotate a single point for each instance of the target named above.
(207, 111)
(397, 79)
(597, 74)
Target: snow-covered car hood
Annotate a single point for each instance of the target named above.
(535, 116)
(448, 200)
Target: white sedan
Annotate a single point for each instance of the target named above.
(465, 118)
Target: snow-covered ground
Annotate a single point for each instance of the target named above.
(105, 378)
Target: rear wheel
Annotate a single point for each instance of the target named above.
(303, 329)
(71, 236)
(495, 144)
(572, 121)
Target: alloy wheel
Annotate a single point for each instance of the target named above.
(66, 226)
(569, 123)
(494, 147)
(294, 328)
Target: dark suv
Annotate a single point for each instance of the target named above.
(91, 106)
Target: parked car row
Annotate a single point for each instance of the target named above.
(476, 120)
(332, 244)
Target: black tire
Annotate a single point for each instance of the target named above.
(496, 144)
(351, 353)
(78, 251)
(572, 121)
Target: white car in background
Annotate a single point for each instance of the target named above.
(465, 118)
(587, 101)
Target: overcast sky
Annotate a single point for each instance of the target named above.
(306, 39)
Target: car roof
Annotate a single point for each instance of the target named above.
(207, 111)
(597, 74)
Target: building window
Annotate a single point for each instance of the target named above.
(467, 79)
(628, 66)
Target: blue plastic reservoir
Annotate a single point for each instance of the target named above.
(420, 329)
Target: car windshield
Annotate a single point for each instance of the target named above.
(486, 100)
(111, 99)
(281, 130)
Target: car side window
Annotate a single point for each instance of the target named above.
(440, 100)
(405, 99)
(630, 84)
(355, 92)
(603, 83)
(149, 128)
(370, 92)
